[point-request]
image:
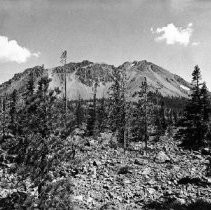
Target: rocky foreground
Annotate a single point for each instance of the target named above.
(106, 177)
(164, 178)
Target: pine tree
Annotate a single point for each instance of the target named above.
(79, 112)
(124, 111)
(114, 99)
(138, 121)
(206, 110)
(196, 114)
(91, 121)
(36, 128)
(13, 112)
(3, 123)
(205, 100)
(160, 120)
(30, 85)
(145, 106)
(128, 124)
(101, 116)
(143, 114)
(118, 105)
(162, 116)
(175, 117)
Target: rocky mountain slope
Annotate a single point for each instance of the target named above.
(82, 76)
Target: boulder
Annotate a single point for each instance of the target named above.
(181, 201)
(146, 171)
(124, 170)
(137, 162)
(12, 201)
(161, 157)
(198, 157)
(205, 151)
(151, 191)
(96, 163)
(194, 181)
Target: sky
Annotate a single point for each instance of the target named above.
(174, 34)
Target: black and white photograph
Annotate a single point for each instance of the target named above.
(105, 104)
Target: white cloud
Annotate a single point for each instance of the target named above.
(11, 51)
(173, 35)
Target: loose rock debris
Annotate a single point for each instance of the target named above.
(111, 178)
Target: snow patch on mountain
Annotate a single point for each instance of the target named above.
(185, 88)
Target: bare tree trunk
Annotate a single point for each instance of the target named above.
(63, 61)
(125, 137)
(94, 109)
(146, 135)
(65, 86)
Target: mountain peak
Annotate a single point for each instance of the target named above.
(82, 75)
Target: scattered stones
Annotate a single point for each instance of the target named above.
(111, 179)
(147, 181)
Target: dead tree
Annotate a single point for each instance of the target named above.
(63, 61)
(145, 93)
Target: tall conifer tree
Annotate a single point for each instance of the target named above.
(195, 121)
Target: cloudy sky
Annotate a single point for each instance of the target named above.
(175, 34)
